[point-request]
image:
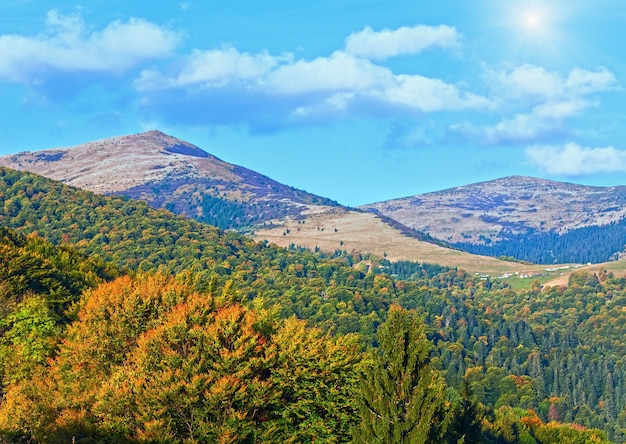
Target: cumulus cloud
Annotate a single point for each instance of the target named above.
(541, 103)
(213, 68)
(574, 160)
(430, 95)
(534, 83)
(305, 89)
(339, 72)
(380, 45)
(67, 45)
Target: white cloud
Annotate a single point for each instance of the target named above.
(380, 45)
(67, 45)
(339, 72)
(574, 160)
(581, 81)
(430, 95)
(525, 82)
(331, 83)
(542, 122)
(530, 104)
(213, 68)
(534, 83)
(541, 102)
(560, 109)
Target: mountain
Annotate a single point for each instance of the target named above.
(171, 173)
(354, 231)
(528, 219)
(531, 219)
(536, 355)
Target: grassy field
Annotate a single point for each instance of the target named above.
(354, 231)
(330, 229)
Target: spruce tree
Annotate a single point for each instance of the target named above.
(402, 398)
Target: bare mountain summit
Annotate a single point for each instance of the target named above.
(168, 172)
(513, 209)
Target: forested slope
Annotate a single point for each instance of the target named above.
(594, 244)
(558, 352)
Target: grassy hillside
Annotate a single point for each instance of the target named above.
(531, 219)
(354, 231)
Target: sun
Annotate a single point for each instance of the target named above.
(535, 20)
(532, 19)
(534, 30)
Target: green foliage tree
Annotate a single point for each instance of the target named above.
(465, 426)
(402, 398)
(29, 339)
(317, 377)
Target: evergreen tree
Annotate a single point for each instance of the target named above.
(402, 399)
(466, 426)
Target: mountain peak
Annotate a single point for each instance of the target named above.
(512, 204)
(118, 163)
(153, 140)
(167, 172)
(173, 145)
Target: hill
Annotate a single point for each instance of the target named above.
(169, 173)
(354, 231)
(558, 352)
(174, 174)
(530, 219)
(523, 218)
(32, 266)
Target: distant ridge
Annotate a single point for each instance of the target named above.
(171, 173)
(513, 215)
(523, 218)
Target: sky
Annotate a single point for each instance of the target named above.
(358, 101)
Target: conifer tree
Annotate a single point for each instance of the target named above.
(402, 399)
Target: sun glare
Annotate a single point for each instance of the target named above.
(535, 25)
(533, 20)
(534, 30)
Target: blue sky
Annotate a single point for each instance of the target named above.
(359, 101)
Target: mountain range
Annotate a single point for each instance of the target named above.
(532, 219)
(170, 173)
(524, 218)
(84, 354)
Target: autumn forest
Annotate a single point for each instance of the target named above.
(121, 323)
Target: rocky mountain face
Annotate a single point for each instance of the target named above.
(513, 209)
(168, 172)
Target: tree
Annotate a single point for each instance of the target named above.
(201, 376)
(466, 423)
(316, 376)
(402, 398)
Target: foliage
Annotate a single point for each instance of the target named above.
(39, 284)
(227, 214)
(598, 243)
(556, 351)
(402, 398)
(151, 360)
(31, 265)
